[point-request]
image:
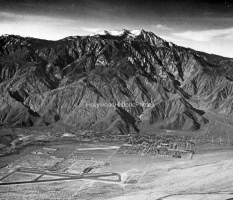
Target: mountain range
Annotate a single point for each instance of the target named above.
(114, 82)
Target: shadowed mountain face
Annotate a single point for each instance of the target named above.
(112, 82)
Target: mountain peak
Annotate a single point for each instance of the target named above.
(134, 34)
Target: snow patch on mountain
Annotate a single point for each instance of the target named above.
(131, 33)
(136, 32)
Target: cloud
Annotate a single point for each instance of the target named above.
(228, 37)
(171, 39)
(207, 35)
(92, 30)
(21, 18)
(162, 27)
(39, 26)
(7, 14)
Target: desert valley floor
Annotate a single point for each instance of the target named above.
(129, 176)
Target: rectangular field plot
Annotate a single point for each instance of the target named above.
(17, 176)
(63, 152)
(62, 166)
(40, 162)
(92, 154)
(79, 166)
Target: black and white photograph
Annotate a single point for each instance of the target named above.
(116, 100)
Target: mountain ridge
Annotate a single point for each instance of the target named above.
(43, 82)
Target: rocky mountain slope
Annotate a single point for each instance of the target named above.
(117, 81)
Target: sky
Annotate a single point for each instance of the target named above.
(204, 25)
